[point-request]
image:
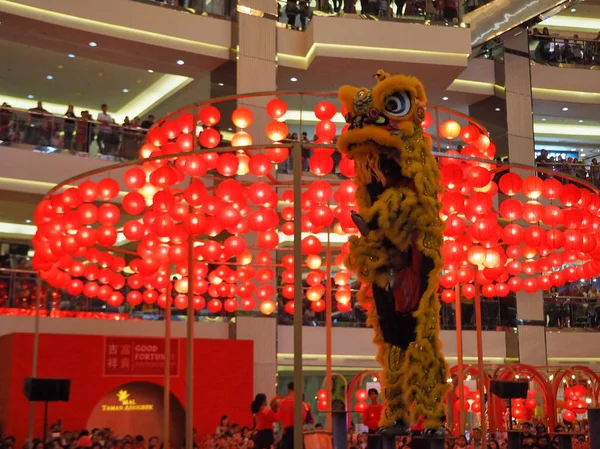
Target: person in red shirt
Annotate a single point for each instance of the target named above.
(371, 417)
(286, 414)
(264, 417)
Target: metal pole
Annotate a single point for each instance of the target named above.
(480, 360)
(167, 391)
(328, 336)
(189, 379)
(298, 296)
(459, 355)
(34, 362)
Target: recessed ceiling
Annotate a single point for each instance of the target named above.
(80, 81)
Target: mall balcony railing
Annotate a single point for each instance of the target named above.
(52, 133)
(564, 52)
(19, 296)
(576, 311)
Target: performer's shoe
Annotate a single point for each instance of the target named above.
(398, 428)
(436, 432)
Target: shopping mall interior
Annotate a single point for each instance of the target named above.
(119, 251)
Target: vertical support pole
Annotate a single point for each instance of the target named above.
(459, 355)
(298, 296)
(36, 348)
(167, 390)
(437, 124)
(189, 375)
(480, 360)
(594, 420)
(328, 330)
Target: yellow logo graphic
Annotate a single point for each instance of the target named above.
(126, 404)
(123, 395)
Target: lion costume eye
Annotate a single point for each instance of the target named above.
(398, 104)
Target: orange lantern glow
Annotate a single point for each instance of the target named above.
(276, 131)
(450, 129)
(242, 117)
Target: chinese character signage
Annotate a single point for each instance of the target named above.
(131, 356)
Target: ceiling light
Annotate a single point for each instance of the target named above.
(49, 77)
(93, 44)
(498, 109)
(150, 71)
(582, 154)
(293, 79)
(28, 221)
(180, 62)
(125, 91)
(221, 84)
(573, 9)
(580, 121)
(30, 96)
(445, 98)
(70, 55)
(543, 119)
(565, 109)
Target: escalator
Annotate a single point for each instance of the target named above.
(500, 16)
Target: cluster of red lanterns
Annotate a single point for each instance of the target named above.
(574, 403)
(547, 239)
(361, 396)
(522, 409)
(542, 234)
(471, 400)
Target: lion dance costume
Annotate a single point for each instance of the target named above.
(398, 252)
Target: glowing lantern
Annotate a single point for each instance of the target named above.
(476, 255)
(210, 116)
(313, 261)
(260, 165)
(108, 189)
(318, 306)
(320, 164)
(311, 245)
(276, 131)
(361, 394)
(469, 134)
(241, 139)
(533, 187)
(324, 110)
(450, 129)
(215, 305)
(276, 108)
(228, 164)
(278, 154)
(209, 138)
(242, 117)
(267, 307)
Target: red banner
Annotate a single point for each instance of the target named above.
(133, 356)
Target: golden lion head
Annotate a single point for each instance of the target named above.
(382, 121)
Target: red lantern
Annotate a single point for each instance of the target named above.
(510, 184)
(210, 116)
(227, 165)
(276, 131)
(324, 110)
(209, 138)
(469, 134)
(260, 165)
(134, 178)
(277, 155)
(533, 187)
(311, 245)
(427, 120)
(276, 108)
(361, 394)
(108, 189)
(530, 404)
(450, 129)
(320, 164)
(568, 415)
(242, 117)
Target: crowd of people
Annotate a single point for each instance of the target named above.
(570, 166)
(562, 50)
(39, 127)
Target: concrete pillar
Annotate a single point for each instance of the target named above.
(263, 332)
(508, 116)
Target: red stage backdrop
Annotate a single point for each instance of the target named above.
(113, 371)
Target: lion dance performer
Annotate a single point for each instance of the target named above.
(398, 252)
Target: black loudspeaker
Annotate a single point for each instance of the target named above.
(509, 390)
(46, 390)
